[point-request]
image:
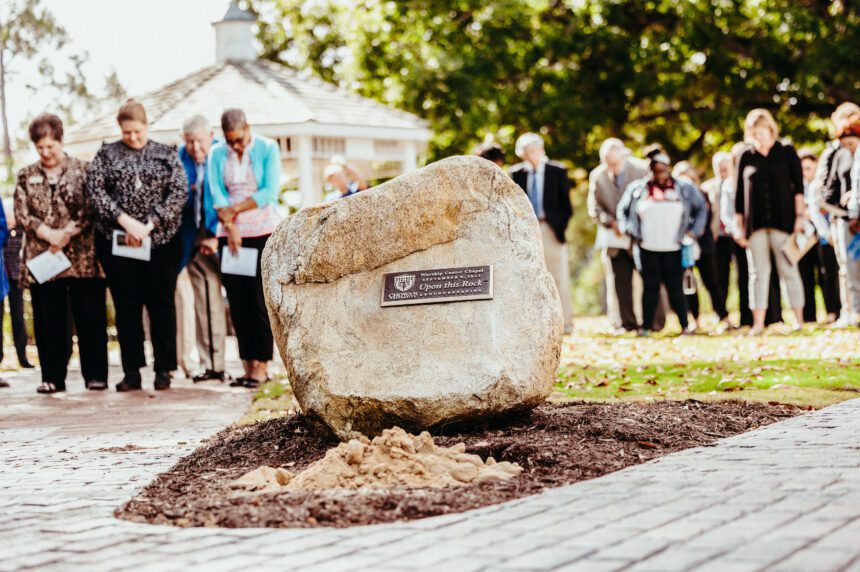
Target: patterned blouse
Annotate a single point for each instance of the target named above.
(38, 202)
(147, 184)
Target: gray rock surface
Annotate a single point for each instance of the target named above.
(361, 368)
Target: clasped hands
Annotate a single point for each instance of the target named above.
(58, 238)
(135, 230)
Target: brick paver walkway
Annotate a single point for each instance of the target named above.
(785, 497)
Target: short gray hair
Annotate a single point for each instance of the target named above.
(607, 146)
(525, 141)
(196, 124)
(719, 157)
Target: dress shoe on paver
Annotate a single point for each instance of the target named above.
(162, 380)
(210, 375)
(131, 382)
(26, 365)
(4, 383)
(97, 384)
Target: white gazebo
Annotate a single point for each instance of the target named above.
(312, 120)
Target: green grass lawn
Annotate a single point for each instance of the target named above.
(814, 367)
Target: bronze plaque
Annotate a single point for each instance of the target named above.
(441, 285)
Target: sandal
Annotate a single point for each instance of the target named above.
(48, 387)
(238, 382)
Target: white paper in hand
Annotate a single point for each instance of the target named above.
(607, 238)
(244, 263)
(120, 248)
(47, 265)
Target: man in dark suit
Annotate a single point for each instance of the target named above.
(548, 188)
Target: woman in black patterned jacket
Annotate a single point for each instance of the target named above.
(138, 189)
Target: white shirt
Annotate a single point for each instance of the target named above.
(660, 222)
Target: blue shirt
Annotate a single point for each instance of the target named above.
(534, 188)
(193, 221)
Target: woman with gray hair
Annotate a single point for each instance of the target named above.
(548, 189)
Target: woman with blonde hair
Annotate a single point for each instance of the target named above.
(769, 207)
(138, 189)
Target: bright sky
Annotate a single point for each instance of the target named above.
(148, 42)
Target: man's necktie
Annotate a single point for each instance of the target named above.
(532, 191)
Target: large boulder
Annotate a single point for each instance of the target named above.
(360, 368)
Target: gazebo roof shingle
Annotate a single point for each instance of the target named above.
(269, 93)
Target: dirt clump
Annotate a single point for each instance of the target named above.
(395, 459)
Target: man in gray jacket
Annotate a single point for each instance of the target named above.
(606, 185)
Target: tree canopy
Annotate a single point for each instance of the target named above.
(679, 73)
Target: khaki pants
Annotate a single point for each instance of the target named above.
(761, 244)
(849, 270)
(555, 256)
(185, 340)
(210, 310)
(612, 308)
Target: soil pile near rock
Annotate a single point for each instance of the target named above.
(555, 445)
(394, 459)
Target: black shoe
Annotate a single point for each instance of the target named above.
(209, 375)
(4, 383)
(49, 387)
(26, 365)
(162, 380)
(97, 384)
(131, 382)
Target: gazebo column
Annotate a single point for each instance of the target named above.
(410, 156)
(310, 195)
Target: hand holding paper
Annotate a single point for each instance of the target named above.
(47, 265)
(243, 263)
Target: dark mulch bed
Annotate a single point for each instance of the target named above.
(555, 444)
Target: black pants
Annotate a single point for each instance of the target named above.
(707, 265)
(248, 307)
(727, 249)
(819, 266)
(135, 284)
(623, 267)
(662, 268)
(19, 326)
(828, 279)
(808, 266)
(51, 304)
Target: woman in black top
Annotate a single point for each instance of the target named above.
(138, 190)
(769, 206)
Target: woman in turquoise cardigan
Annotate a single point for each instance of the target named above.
(244, 179)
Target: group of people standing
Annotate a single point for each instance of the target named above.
(130, 222)
(152, 225)
(763, 194)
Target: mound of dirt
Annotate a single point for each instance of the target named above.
(395, 459)
(555, 445)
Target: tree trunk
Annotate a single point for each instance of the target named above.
(7, 143)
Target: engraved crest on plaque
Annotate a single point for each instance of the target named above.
(404, 282)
